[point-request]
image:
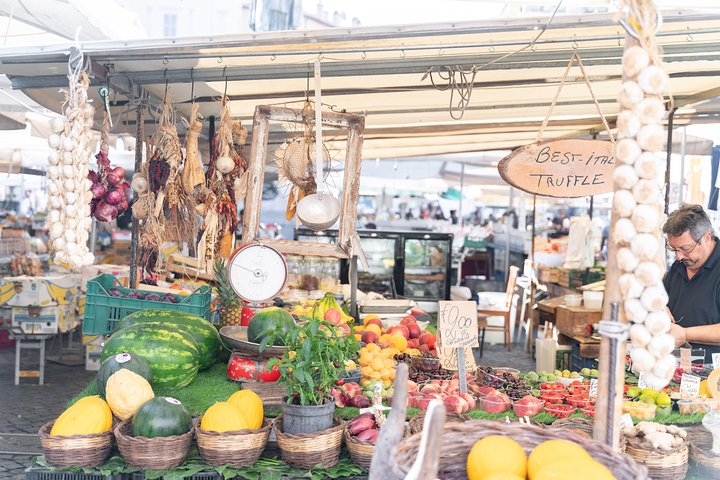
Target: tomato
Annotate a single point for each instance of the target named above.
(242, 369)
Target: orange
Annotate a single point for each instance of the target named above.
(374, 328)
(365, 358)
(372, 347)
(370, 317)
(399, 342)
(358, 329)
(358, 337)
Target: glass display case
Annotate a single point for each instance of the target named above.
(414, 265)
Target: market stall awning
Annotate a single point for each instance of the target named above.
(398, 77)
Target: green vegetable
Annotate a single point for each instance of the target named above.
(114, 363)
(161, 417)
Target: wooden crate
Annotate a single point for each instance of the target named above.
(571, 321)
(548, 274)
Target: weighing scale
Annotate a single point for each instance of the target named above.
(257, 273)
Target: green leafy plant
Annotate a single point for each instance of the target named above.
(313, 361)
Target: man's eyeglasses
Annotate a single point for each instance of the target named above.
(685, 250)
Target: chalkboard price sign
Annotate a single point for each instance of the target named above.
(561, 168)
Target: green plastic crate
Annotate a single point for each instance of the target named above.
(103, 311)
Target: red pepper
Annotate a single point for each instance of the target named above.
(339, 382)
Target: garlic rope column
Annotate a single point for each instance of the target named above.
(69, 193)
(638, 203)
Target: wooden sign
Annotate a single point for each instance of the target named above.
(457, 322)
(561, 168)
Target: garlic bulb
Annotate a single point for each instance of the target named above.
(646, 191)
(645, 246)
(58, 243)
(624, 203)
(69, 185)
(634, 60)
(649, 274)
(634, 310)
(67, 144)
(650, 167)
(55, 203)
(225, 164)
(630, 94)
(70, 198)
(53, 158)
(661, 345)
(642, 360)
(646, 218)
(639, 335)
(67, 158)
(626, 259)
(54, 141)
(628, 124)
(67, 171)
(624, 230)
(665, 367)
(53, 172)
(139, 184)
(56, 230)
(658, 322)
(57, 124)
(650, 110)
(630, 287)
(654, 299)
(624, 176)
(651, 138)
(627, 151)
(652, 80)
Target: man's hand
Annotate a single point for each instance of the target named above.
(679, 334)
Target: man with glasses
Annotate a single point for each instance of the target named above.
(693, 280)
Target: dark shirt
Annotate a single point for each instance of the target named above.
(696, 301)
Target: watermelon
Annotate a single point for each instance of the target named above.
(122, 360)
(171, 353)
(205, 334)
(268, 318)
(161, 417)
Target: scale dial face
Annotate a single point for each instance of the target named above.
(257, 272)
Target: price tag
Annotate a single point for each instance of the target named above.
(641, 382)
(686, 359)
(457, 322)
(593, 387)
(626, 421)
(449, 359)
(716, 360)
(689, 385)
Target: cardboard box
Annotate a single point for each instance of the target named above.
(571, 321)
(44, 320)
(26, 291)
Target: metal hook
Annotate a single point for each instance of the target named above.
(320, 56)
(492, 48)
(689, 36)
(220, 60)
(441, 51)
(575, 45)
(402, 53)
(364, 55)
(165, 61)
(273, 58)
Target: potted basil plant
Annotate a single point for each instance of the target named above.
(309, 369)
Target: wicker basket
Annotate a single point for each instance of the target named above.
(661, 466)
(238, 449)
(269, 393)
(705, 460)
(458, 439)
(360, 452)
(306, 450)
(160, 453)
(417, 421)
(75, 450)
(578, 425)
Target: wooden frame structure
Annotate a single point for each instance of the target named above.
(355, 126)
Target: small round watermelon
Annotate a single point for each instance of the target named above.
(171, 353)
(269, 318)
(205, 334)
(161, 417)
(113, 363)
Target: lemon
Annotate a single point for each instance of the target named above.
(551, 451)
(649, 392)
(502, 476)
(704, 392)
(663, 399)
(569, 468)
(495, 455)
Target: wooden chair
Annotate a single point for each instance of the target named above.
(502, 310)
